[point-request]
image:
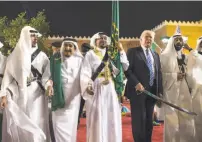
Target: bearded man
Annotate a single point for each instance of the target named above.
(103, 113)
(178, 126)
(65, 72)
(25, 81)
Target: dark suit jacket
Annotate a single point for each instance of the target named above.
(138, 71)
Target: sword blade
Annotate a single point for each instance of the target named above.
(168, 103)
(52, 135)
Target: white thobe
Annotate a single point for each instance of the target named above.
(103, 114)
(65, 119)
(2, 68)
(2, 65)
(36, 114)
(194, 76)
(178, 126)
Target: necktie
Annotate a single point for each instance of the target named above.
(149, 64)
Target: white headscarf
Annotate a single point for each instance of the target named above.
(194, 66)
(19, 64)
(170, 49)
(1, 44)
(165, 41)
(178, 33)
(96, 36)
(169, 57)
(20, 59)
(193, 55)
(198, 44)
(169, 54)
(77, 51)
(19, 67)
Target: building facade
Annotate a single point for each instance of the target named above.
(192, 30)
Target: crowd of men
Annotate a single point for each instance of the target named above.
(42, 98)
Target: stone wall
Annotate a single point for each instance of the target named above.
(127, 42)
(192, 30)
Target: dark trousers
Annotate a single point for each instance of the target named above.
(82, 103)
(142, 107)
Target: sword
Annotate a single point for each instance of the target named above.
(50, 120)
(168, 103)
(51, 130)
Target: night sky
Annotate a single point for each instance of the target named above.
(69, 18)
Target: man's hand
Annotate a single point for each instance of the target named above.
(90, 88)
(139, 87)
(119, 46)
(180, 76)
(3, 102)
(51, 82)
(49, 91)
(186, 46)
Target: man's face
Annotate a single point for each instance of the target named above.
(69, 49)
(34, 40)
(200, 46)
(55, 49)
(102, 41)
(178, 43)
(146, 40)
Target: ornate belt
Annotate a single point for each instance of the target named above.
(32, 79)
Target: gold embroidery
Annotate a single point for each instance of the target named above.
(107, 73)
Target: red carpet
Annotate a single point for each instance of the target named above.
(127, 132)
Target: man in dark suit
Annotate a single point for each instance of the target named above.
(144, 72)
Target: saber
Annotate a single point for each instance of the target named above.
(168, 103)
(52, 135)
(51, 130)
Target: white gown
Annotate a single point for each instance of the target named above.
(178, 126)
(36, 117)
(103, 113)
(65, 119)
(195, 82)
(2, 65)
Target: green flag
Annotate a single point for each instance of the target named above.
(154, 46)
(58, 100)
(113, 51)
